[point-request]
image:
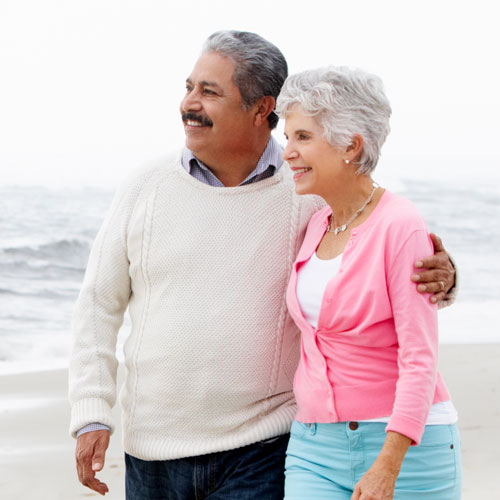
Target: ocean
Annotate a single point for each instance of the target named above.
(46, 235)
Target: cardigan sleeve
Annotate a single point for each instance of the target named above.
(97, 317)
(415, 319)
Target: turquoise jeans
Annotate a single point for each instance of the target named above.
(325, 461)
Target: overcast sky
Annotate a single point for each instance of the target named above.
(90, 89)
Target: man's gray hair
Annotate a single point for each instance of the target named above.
(259, 66)
(346, 102)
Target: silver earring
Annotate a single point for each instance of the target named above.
(346, 162)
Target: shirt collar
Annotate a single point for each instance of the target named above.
(269, 162)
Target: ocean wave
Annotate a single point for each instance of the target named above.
(43, 293)
(40, 270)
(62, 247)
(66, 254)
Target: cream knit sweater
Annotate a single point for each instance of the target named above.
(212, 351)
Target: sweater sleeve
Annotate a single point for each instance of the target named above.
(415, 319)
(97, 317)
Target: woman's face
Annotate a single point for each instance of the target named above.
(316, 164)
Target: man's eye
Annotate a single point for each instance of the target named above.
(303, 137)
(209, 92)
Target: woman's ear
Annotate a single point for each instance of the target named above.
(353, 151)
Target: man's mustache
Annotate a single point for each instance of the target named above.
(204, 120)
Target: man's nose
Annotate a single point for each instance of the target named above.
(191, 102)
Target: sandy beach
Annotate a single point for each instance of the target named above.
(36, 453)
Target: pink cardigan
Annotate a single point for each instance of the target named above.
(375, 350)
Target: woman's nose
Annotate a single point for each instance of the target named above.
(289, 153)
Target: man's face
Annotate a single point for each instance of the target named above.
(214, 121)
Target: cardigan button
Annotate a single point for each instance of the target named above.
(353, 426)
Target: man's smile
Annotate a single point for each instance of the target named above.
(194, 120)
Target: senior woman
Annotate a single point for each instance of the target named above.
(374, 419)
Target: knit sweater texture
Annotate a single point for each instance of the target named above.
(212, 350)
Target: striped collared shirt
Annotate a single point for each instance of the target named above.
(268, 164)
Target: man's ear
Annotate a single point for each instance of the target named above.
(263, 108)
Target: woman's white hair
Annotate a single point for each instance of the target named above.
(346, 102)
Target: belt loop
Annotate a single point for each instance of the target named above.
(313, 428)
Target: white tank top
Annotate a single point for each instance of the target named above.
(312, 280)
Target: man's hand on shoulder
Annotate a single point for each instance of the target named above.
(90, 452)
(439, 276)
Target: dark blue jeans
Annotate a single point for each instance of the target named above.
(254, 472)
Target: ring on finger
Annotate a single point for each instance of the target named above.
(441, 285)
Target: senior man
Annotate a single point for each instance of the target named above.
(199, 248)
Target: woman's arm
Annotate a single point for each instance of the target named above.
(415, 321)
(379, 481)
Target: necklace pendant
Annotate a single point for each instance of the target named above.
(339, 229)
